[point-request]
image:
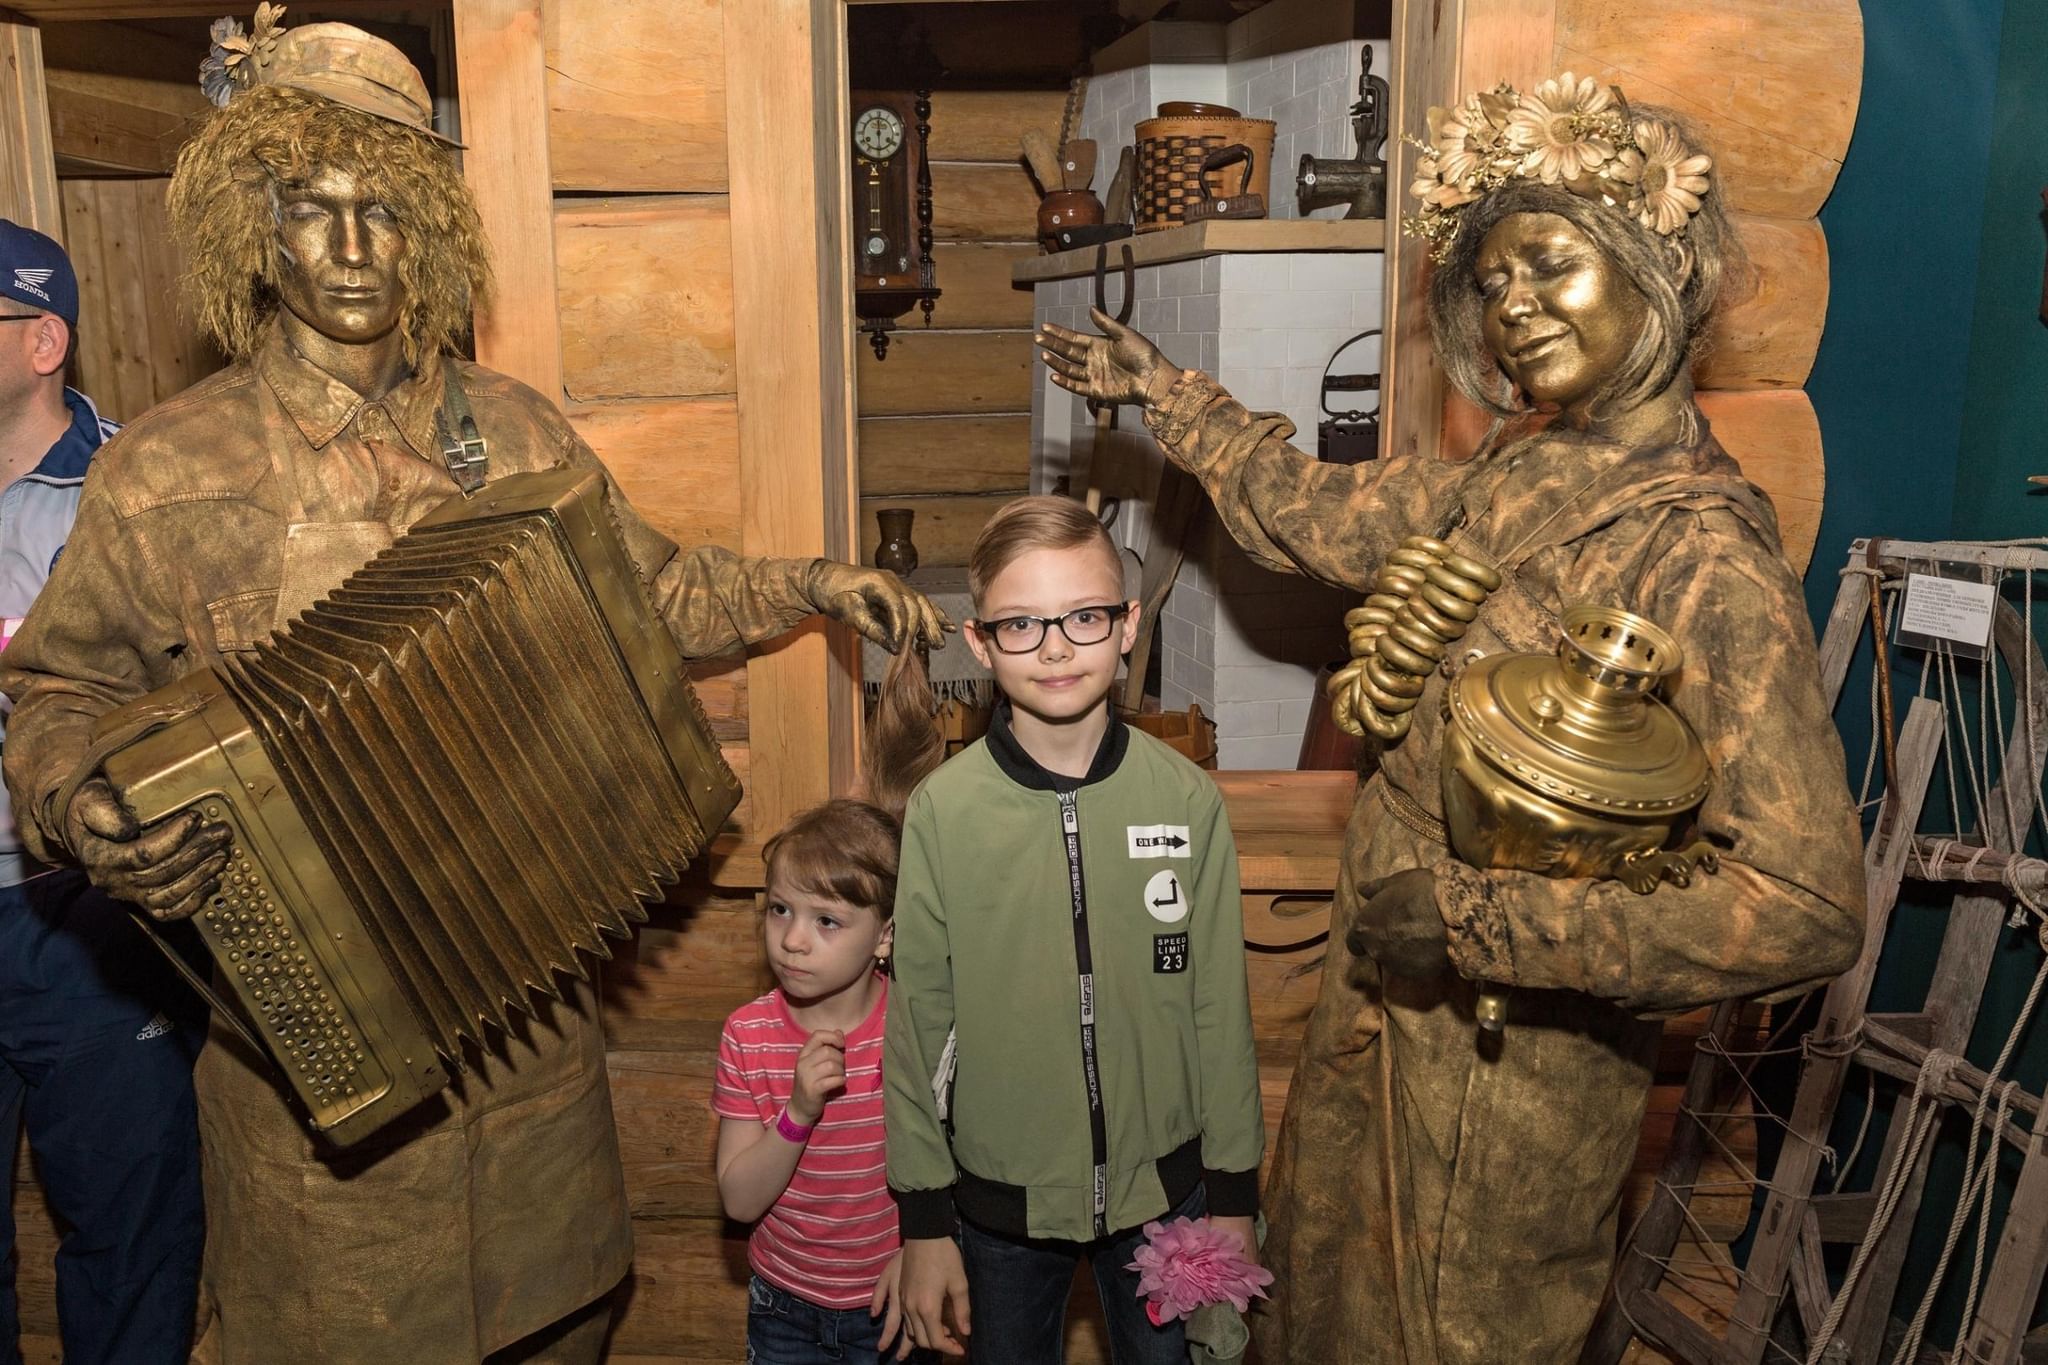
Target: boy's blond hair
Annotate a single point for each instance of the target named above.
(1035, 523)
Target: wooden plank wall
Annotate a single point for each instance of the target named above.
(28, 176)
(123, 97)
(637, 145)
(136, 347)
(945, 420)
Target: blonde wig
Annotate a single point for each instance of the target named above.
(223, 197)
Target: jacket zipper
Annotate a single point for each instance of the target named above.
(1084, 962)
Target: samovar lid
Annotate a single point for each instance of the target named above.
(1584, 726)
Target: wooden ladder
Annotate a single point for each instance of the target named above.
(1797, 1221)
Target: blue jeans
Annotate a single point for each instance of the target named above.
(1017, 1296)
(783, 1329)
(97, 1039)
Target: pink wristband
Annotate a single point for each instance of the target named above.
(791, 1130)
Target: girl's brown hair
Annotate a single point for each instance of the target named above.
(1036, 523)
(847, 848)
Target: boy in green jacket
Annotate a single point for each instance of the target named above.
(1069, 1048)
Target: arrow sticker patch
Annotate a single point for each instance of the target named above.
(1165, 901)
(1159, 841)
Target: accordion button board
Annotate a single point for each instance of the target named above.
(445, 782)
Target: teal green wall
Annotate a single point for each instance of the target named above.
(2005, 406)
(1903, 243)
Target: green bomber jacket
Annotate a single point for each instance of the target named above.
(1081, 943)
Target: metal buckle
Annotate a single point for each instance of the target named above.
(467, 457)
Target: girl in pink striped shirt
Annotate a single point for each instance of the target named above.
(798, 1090)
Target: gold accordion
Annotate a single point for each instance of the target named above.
(444, 780)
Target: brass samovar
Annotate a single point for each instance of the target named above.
(1570, 765)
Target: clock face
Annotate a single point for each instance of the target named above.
(878, 132)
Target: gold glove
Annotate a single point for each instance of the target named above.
(878, 604)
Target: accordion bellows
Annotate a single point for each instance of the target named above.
(445, 780)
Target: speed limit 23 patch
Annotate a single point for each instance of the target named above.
(1169, 953)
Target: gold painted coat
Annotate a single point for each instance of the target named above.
(1431, 1206)
(500, 1205)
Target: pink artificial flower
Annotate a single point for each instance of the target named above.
(1191, 1262)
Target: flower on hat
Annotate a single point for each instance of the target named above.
(234, 61)
(1672, 178)
(1188, 1263)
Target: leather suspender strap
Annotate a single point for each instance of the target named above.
(462, 445)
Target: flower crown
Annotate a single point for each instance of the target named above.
(1569, 132)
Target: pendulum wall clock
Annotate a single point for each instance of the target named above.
(891, 210)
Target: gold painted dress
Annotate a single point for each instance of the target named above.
(1431, 1206)
(499, 1206)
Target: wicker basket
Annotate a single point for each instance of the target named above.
(1170, 152)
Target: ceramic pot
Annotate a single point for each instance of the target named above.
(896, 553)
(1065, 209)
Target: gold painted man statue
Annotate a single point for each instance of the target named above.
(335, 252)
(1434, 1199)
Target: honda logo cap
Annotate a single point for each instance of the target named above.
(35, 272)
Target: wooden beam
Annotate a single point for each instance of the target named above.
(944, 529)
(676, 460)
(28, 174)
(501, 70)
(93, 134)
(945, 373)
(974, 280)
(985, 125)
(982, 201)
(645, 283)
(1731, 69)
(55, 11)
(900, 455)
(638, 104)
(785, 63)
(1443, 50)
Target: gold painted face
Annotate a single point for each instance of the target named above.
(1556, 312)
(342, 246)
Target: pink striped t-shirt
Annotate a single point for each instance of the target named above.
(831, 1233)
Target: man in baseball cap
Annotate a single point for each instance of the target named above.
(97, 1034)
(36, 274)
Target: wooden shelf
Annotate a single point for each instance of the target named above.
(1211, 239)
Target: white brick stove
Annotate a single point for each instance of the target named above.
(1242, 642)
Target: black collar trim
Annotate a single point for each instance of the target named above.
(1025, 771)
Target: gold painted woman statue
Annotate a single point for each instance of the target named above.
(1436, 1199)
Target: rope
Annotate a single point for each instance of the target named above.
(1862, 1131)
(1935, 1070)
(1984, 1214)
(1972, 1175)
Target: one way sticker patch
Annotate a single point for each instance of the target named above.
(1158, 841)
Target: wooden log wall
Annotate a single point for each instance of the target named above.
(1773, 86)
(945, 420)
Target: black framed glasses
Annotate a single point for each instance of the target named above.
(1081, 626)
